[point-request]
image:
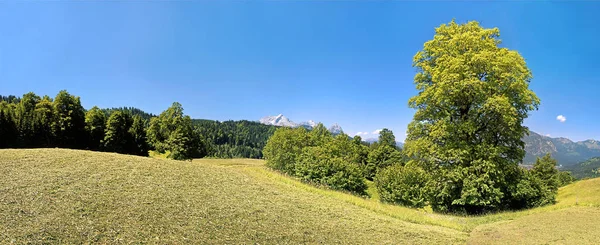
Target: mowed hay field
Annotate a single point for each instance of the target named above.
(71, 196)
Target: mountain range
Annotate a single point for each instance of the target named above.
(565, 151)
(281, 120)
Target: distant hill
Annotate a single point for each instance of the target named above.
(587, 169)
(565, 151)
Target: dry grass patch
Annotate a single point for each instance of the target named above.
(68, 196)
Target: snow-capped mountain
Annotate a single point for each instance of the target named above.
(281, 120)
(335, 129)
(308, 125)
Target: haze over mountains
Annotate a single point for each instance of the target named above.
(565, 151)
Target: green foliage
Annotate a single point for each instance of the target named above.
(386, 137)
(70, 121)
(284, 147)
(317, 165)
(117, 137)
(95, 124)
(404, 185)
(172, 131)
(319, 134)
(565, 178)
(233, 139)
(25, 118)
(545, 169)
(380, 157)
(586, 169)
(9, 132)
(529, 192)
(44, 120)
(318, 157)
(467, 128)
(138, 136)
(129, 110)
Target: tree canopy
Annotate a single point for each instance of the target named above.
(473, 96)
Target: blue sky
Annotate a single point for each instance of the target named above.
(329, 61)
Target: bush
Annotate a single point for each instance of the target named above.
(404, 185)
(316, 166)
(530, 192)
(565, 178)
(379, 158)
(284, 147)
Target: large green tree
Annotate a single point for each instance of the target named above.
(70, 121)
(44, 123)
(173, 132)
(467, 128)
(284, 148)
(117, 137)
(138, 136)
(545, 169)
(25, 119)
(386, 137)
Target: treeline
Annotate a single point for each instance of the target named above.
(233, 139)
(32, 121)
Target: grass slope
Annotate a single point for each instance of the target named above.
(70, 196)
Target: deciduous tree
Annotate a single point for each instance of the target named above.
(467, 128)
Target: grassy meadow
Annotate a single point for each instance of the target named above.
(70, 196)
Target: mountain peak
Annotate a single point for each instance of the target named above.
(279, 120)
(335, 129)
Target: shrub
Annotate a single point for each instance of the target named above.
(284, 147)
(316, 166)
(530, 192)
(565, 178)
(403, 185)
(379, 158)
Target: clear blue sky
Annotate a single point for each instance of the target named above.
(329, 61)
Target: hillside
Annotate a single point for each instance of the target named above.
(112, 198)
(586, 169)
(565, 151)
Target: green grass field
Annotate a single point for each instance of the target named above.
(70, 196)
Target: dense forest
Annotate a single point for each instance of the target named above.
(233, 139)
(32, 121)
